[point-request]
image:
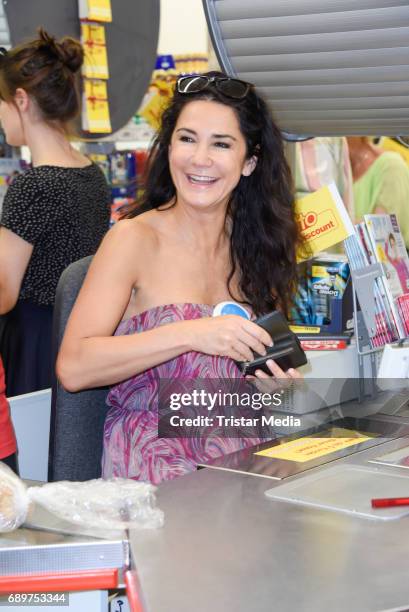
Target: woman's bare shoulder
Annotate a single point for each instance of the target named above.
(134, 233)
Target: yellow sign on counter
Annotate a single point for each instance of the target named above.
(305, 329)
(311, 447)
(323, 219)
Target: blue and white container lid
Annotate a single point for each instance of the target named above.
(230, 308)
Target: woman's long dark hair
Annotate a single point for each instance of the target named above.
(264, 234)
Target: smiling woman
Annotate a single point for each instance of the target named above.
(206, 163)
(216, 223)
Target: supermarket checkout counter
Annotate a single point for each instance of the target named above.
(54, 564)
(30, 413)
(226, 546)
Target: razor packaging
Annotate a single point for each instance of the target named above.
(286, 351)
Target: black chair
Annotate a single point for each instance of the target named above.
(77, 419)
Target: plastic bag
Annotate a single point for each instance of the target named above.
(117, 503)
(14, 501)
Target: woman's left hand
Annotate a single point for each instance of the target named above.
(277, 380)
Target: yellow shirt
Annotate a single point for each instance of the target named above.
(385, 184)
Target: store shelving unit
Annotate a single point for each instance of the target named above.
(363, 280)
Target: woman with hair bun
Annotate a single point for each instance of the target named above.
(54, 214)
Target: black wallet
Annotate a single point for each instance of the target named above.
(286, 352)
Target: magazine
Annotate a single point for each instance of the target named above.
(387, 324)
(389, 249)
(378, 240)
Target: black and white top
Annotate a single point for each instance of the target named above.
(63, 213)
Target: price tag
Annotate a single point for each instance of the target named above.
(95, 108)
(95, 10)
(96, 60)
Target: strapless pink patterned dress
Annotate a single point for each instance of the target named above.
(132, 448)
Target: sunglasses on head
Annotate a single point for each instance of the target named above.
(228, 86)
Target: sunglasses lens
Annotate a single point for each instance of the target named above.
(192, 84)
(233, 88)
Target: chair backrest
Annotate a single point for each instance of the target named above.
(77, 419)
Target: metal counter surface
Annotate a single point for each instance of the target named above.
(28, 551)
(225, 547)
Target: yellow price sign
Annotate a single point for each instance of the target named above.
(316, 445)
(323, 219)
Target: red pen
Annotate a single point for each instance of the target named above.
(389, 502)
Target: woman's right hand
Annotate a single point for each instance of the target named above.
(228, 336)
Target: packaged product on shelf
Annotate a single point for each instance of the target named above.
(124, 172)
(102, 160)
(95, 114)
(191, 64)
(157, 98)
(95, 53)
(123, 168)
(95, 10)
(164, 62)
(141, 159)
(118, 169)
(324, 298)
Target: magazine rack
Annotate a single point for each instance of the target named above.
(363, 280)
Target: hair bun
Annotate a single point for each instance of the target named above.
(73, 53)
(68, 51)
